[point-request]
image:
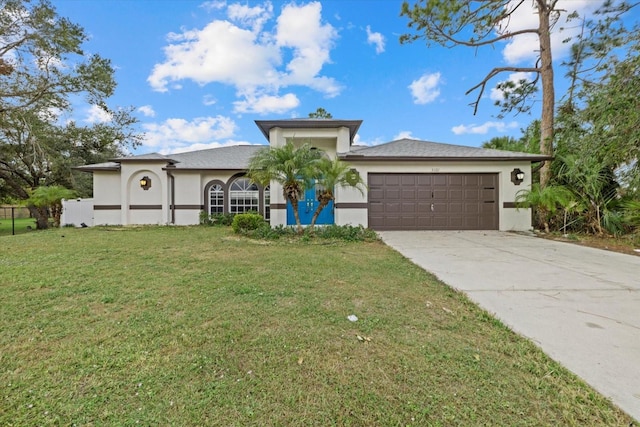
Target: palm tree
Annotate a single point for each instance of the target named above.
(546, 200)
(331, 174)
(291, 167)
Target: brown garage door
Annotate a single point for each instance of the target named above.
(399, 201)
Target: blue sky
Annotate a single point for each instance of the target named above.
(200, 73)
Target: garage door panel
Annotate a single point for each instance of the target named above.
(408, 180)
(440, 194)
(408, 193)
(439, 180)
(423, 193)
(455, 180)
(392, 194)
(433, 201)
(408, 207)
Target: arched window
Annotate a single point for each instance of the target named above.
(267, 202)
(216, 199)
(243, 196)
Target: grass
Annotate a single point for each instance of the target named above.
(194, 326)
(21, 224)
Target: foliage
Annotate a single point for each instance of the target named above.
(290, 166)
(50, 198)
(592, 184)
(332, 174)
(546, 202)
(320, 113)
(245, 222)
(631, 211)
(216, 219)
(347, 233)
(529, 142)
(201, 328)
(43, 68)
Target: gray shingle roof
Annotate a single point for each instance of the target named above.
(144, 157)
(232, 157)
(405, 149)
(107, 166)
(237, 157)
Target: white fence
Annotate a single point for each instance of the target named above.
(77, 212)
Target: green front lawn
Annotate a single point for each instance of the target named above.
(195, 326)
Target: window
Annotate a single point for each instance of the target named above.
(216, 199)
(243, 196)
(267, 202)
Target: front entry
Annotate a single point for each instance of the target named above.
(307, 206)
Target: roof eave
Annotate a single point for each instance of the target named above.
(88, 168)
(443, 159)
(266, 125)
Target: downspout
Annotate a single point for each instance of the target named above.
(172, 196)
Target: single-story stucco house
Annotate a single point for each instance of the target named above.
(411, 184)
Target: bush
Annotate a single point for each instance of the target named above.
(245, 222)
(223, 219)
(266, 232)
(348, 233)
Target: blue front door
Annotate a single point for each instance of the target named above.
(307, 206)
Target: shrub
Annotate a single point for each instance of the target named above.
(348, 233)
(218, 219)
(266, 232)
(245, 222)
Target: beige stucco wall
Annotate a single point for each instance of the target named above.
(106, 192)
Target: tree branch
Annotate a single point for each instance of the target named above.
(482, 85)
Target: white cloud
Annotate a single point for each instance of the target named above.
(176, 134)
(300, 28)
(95, 114)
(147, 111)
(404, 134)
(254, 17)
(498, 94)
(525, 48)
(243, 53)
(208, 100)
(267, 104)
(425, 89)
(483, 128)
(376, 39)
(213, 5)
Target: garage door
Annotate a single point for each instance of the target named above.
(433, 201)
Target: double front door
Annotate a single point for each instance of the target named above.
(306, 208)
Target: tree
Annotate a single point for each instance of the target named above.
(320, 113)
(50, 198)
(290, 166)
(475, 24)
(545, 201)
(330, 175)
(42, 68)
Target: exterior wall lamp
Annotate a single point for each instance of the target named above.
(517, 176)
(145, 183)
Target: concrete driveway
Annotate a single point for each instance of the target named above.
(580, 305)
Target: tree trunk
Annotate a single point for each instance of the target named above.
(548, 93)
(41, 216)
(324, 201)
(294, 206)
